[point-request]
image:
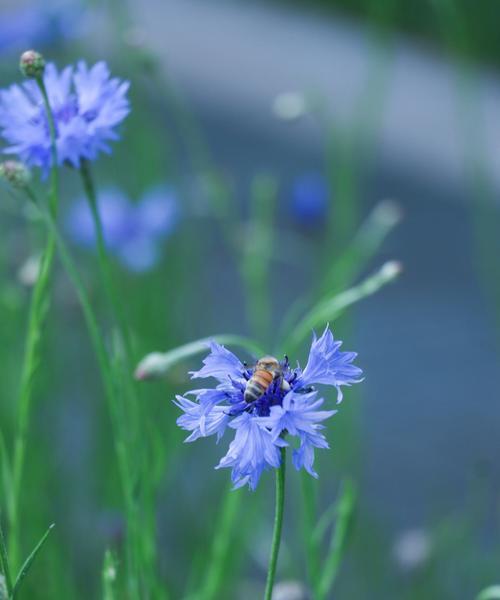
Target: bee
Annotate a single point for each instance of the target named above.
(267, 370)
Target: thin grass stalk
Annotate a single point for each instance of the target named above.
(311, 544)
(105, 367)
(221, 545)
(130, 416)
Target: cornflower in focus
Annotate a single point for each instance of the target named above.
(269, 406)
(133, 232)
(87, 105)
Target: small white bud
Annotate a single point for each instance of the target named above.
(290, 590)
(29, 271)
(32, 64)
(151, 366)
(391, 269)
(15, 173)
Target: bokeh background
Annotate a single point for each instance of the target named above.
(284, 124)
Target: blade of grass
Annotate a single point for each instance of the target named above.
(345, 511)
(108, 576)
(330, 308)
(5, 563)
(29, 561)
(257, 251)
(6, 475)
(312, 546)
(223, 536)
(490, 593)
(157, 364)
(369, 238)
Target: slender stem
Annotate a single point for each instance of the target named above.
(38, 313)
(130, 409)
(278, 524)
(102, 255)
(224, 533)
(312, 549)
(104, 361)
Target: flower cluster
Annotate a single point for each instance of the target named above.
(288, 409)
(87, 105)
(132, 231)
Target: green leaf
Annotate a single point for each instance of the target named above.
(330, 308)
(109, 571)
(6, 476)
(490, 593)
(365, 244)
(345, 511)
(29, 561)
(157, 364)
(324, 522)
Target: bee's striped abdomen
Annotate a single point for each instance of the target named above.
(257, 385)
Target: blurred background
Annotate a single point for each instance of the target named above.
(337, 135)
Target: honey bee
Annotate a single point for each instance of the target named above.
(267, 370)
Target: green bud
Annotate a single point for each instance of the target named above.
(15, 173)
(32, 64)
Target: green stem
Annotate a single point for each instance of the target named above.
(129, 411)
(104, 362)
(102, 254)
(278, 524)
(38, 313)
(312, 546)
(224, 533)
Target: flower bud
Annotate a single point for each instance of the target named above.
(15, 173)
(32, 64)
(290, 590)
(151, 366)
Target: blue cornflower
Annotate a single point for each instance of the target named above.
(287, 412)
(87, 105)
(132, 231)
(309, 199)
(39, 24)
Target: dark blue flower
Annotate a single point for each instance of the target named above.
(87, 105)
(132, 232)
(287, 411)
(309, 199)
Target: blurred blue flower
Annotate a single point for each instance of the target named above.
(38, 25)
(288, 410)
(87, 106)
(309, 199)
(132, 231)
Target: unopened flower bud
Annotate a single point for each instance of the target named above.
(290, 590)
(32, 64)
(15, 173)
(151, 366)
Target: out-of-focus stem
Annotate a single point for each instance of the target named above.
(37, 316)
